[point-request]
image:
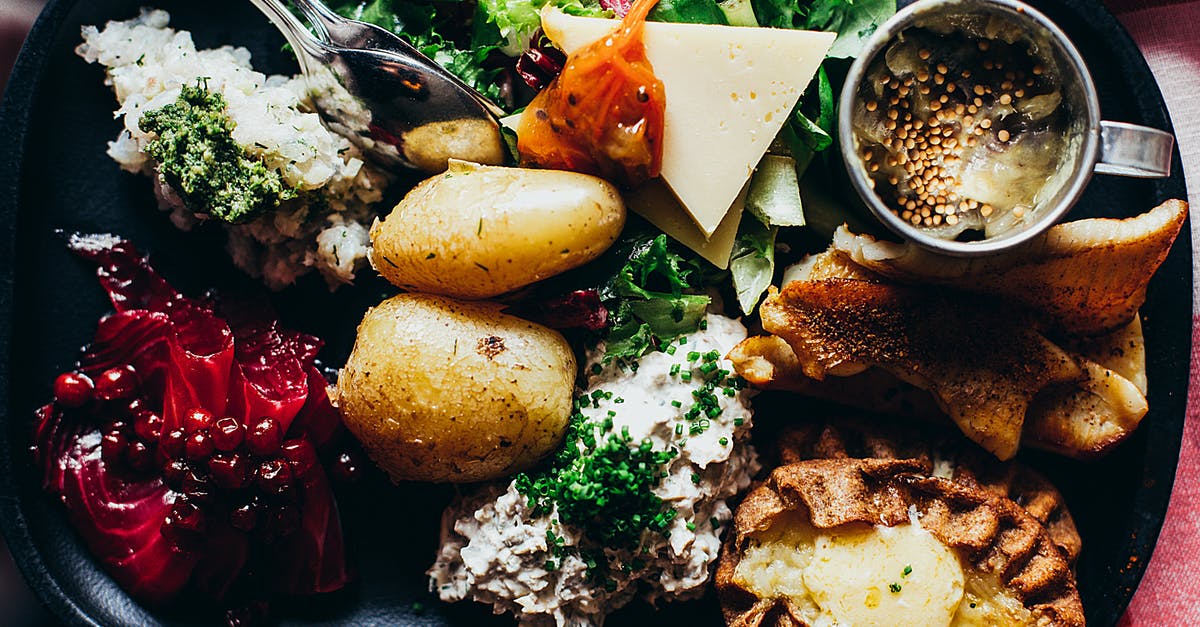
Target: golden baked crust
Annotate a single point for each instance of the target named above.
(950, 458)
(991, 533)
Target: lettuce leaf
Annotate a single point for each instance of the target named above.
(853, 20)
(752, 265)
(688, 11)
(513, 23)
(648, 300)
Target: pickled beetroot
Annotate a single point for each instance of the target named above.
(156, 485)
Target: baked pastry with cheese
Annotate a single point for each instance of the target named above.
(949, 457)
(881, 542)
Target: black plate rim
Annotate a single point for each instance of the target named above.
(23, 86)
(19, 94)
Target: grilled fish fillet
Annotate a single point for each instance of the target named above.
(1092, 416)
(1085, 277)
(982, 366)
(1123, 351)
(1084, 420)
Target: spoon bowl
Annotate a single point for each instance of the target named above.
(399, 107)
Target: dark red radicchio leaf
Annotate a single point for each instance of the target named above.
(580, 309)
(620, 7)
(186, 356)
(541, 63)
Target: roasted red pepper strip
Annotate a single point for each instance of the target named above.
(603, 115)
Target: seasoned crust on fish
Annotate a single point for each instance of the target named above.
(991, 534)
(768, 363)
(1083, 420)
(1083, 277)
(949, 457)
(983, 366)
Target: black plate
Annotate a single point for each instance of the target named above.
(55, 177)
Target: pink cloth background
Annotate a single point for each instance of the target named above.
(1168, 34)
(1169, 37)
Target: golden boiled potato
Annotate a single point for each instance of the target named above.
(442, 390)
(478, 231)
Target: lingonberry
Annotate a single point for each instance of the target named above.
(73, 390)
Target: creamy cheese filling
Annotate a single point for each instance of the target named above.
(861, 574)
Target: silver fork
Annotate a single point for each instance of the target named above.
(393, 102)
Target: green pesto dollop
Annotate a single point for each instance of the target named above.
(196, 154)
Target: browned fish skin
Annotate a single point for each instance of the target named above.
(983, 366)
(1084, 277)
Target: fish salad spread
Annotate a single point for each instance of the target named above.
(224, 143)
(639, 495)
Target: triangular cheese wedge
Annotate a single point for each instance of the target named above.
(659, 206)
(729, 90)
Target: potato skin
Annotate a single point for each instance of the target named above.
(449, 391)
(480, 231)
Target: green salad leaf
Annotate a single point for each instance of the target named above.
(752, 265)
(649, 300)
(688, 11)
(853, 20)
(511, 24)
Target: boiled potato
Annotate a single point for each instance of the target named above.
(443, 390)
(479, 231)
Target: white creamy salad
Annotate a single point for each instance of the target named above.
(325, 227)
(496, 548)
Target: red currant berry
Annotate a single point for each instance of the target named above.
(184, 525)
(189, 516)
(174, 473)
(227, 434)
(73, 390)
(244, 517)
(273, 476)
(135, 407)
(264, 437)
(197, 487)
(228, 471)
(197, 419)
(199, 446)
(174, 443)
(300, 454)
(148, 426)
(139, 456)
(117, 383)
(112, 447)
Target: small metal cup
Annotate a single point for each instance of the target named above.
(1102, 146)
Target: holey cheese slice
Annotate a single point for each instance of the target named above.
(729, 90)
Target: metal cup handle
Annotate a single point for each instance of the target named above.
(1132, 150)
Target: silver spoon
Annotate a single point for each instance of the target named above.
(393, 102)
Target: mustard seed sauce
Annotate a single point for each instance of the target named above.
(961, 131)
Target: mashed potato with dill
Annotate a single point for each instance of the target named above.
(501, 549)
